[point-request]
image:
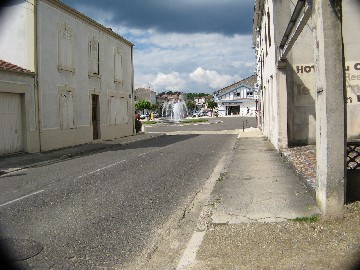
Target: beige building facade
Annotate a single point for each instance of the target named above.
(145, 94)
(309, 88)
(83, 72)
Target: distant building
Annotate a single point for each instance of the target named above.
(145, 94)
(83, 74)
(239, 98)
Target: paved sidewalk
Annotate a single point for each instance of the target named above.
(15, 162)
(258, 187)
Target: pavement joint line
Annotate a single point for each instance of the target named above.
(23, 197)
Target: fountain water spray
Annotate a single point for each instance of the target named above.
(174, 110)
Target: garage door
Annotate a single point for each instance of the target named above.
(11, 135)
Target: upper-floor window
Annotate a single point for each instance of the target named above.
(269, 35)
(94, 57)
(118, 66)
(266, 40)
(65, 47)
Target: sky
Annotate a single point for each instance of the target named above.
(181, 45)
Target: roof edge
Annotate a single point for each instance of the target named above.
(74, 12)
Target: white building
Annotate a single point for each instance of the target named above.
(239, 98)
(306, 52)
(83, 71)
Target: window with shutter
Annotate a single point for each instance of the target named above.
(119, 111)
(94, 61)
(67, 109)
(118, 67)
(65, 48)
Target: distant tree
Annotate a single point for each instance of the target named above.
(190, 105)
(154, 107)
(211, 104)
(142, 105)
(192, 96)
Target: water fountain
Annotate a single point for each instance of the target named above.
(174, 110)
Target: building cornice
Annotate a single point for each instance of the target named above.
(59, 5)
(259, 6)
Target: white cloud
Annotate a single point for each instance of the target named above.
(212, 78)
(188, 62)
(222, 59)
(171, 81)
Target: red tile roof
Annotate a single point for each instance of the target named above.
(11, 67)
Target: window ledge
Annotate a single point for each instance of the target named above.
(119, 82)
(94, 75)
(70, 69)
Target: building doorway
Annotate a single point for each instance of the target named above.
(11, 119)
(233, 110)
(95, 112)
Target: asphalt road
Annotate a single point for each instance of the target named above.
(100, 210)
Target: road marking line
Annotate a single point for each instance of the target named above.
(188, 258)
(98, 170)
(189, 254)
(143, 154)
(23, 197)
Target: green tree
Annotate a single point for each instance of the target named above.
(143, 105)
(191, 105)
(192, 96)
(211, 104)
(154, 107)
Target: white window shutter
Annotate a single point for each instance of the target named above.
(118, 67)
(94, 57)
(67, 104)
(65, 48)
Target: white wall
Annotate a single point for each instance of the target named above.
(351, 22)
(269, 103)
(23, 84)
(53, 80)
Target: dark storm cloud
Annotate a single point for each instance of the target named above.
(183, 16)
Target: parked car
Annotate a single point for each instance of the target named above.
(199, 114)
(196, 114)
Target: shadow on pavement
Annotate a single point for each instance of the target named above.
(17, 162)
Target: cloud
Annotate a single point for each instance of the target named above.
(212, 78)
(173, 58)
(171, 81)
(231, 58)
(227, 17)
